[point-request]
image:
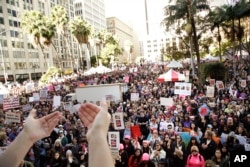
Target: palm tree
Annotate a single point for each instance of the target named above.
(217, 16)
(60, 19)
(81, 31)
(185, 11)
(34, 24)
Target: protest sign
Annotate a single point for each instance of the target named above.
(219, 85)
(182, 88)
(118, 120)
(12, 117)
(43, 94)
(114, 140)
(134, 96)
(166, 101)
(36, 97)
(10, 103)
(27, 107)
(135, 131)
(212, 82)
(243, 83)
(210, 91)
(56, 101)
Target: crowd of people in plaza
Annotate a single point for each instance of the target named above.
(225, 129)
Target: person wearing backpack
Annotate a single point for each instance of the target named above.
(195, 159)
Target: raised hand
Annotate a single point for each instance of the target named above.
(42, 127)
(96, 118)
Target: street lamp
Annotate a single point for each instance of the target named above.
(1, 49)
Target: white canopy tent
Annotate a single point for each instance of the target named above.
(174, 64)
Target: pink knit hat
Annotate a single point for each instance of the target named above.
(145, 157)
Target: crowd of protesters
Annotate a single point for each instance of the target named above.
(160, 143)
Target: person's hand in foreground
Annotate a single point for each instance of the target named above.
(97, 119)
(42, 127)
(33, 130)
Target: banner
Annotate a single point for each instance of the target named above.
(118, 120)
(166, 101)
(182, 88)
(114, 140)
(12, 117)
(10, 103)
(134, 96)
(210, 91)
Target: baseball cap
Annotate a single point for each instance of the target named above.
(127, 137)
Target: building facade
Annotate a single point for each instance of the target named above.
(19, 58)
(126, 37)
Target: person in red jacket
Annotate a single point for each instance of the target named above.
(195, 159)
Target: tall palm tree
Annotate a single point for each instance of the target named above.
(60, 19)
(216, 17)
(185, 11)
(81, 30)
(34, 24)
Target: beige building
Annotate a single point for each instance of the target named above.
(127, 38)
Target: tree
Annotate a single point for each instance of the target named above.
(184, 11)
(81, 30)
(34, 24)
(60, 19)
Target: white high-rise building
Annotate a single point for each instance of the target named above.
(19, 59)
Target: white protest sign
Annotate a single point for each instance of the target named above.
(134, 96)
(12, 117)
(219, 85)
(247, 147)
(210, 91)
(67, 106)
(243, 83)
(114, 140)
(56, 101)
(2, 149)
(166, 101)
(57, 87)
(36, 96)
(118, 120)
(43, 94)
(31, 99)
(182, 88)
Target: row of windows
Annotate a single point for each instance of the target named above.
(17, 44)
(14, 23)
(13, 2)
(6, 65)
(12, 12)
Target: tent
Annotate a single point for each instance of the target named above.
(171, 75)
(174, 64)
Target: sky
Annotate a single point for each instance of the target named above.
(132, 12)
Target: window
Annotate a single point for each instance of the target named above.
(1, 20)
(1, 9)
(6, 65)
(20, 65)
